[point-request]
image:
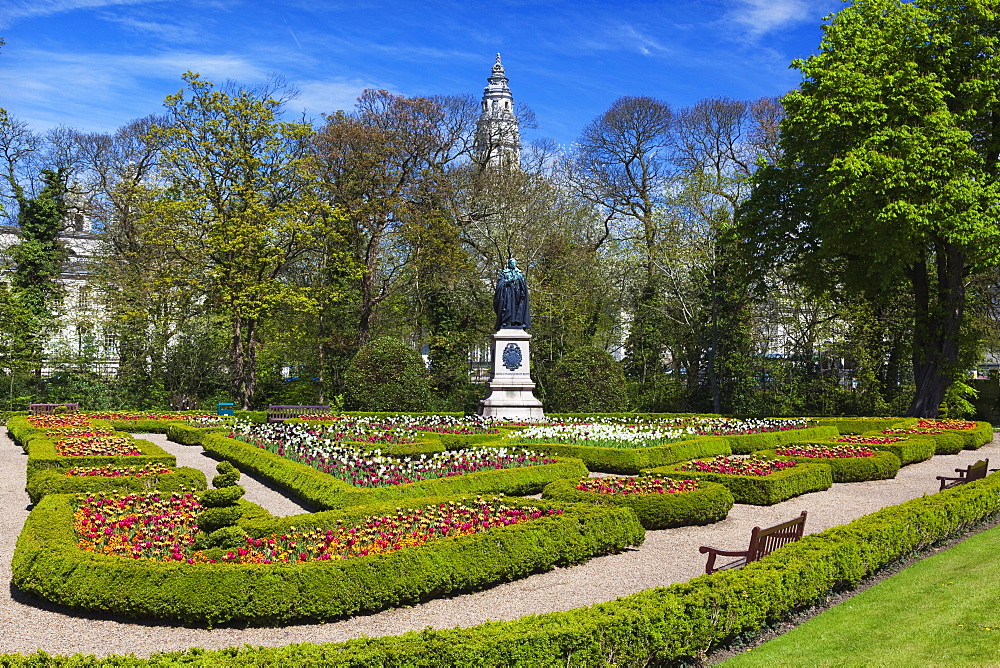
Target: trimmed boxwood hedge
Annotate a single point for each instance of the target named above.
(48, 563)
(909, 451)
(978, 437)
(325, 491)
(744, 444)
(54, 481)
(631, 461)
(760, 490)
(42, 454)
(707, 504)
(882, 466)
(865, 425)
(671, 625)
(185, 434)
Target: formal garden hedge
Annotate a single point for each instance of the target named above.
(325, 491)
(55, 481)
(678, 624)
(186, 434)
(744, 444)
(48, 563)
(882, 466)
(42, 454)
(707, 504)
(631, 461)
(760, 490)
(863, 425)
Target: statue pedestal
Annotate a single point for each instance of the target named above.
(509, 392)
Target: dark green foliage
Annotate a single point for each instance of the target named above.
(49, 564)
(633, 460)
(221, 496)
(228, 537)
(387, 375)
(52, 481)
(39, 255)
(324, 491)
(587, 379)
(882, 466)
(664, 626)
(707, 504)
(760, 490)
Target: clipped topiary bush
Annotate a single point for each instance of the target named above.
(587, 379)
(387, 375)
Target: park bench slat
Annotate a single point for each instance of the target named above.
(971, 472)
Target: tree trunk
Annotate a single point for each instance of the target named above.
(244, 359)
(937, 321)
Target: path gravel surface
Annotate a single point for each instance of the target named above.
(666, 557)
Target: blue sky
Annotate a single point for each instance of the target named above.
(93, 65)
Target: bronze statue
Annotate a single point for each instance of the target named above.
(510, 301)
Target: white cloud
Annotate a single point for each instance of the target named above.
(759, 17)
(23, 9)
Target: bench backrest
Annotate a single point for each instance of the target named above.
(280, 413)
(977, 470)
(765, 541)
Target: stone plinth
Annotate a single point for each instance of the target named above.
(510, 391)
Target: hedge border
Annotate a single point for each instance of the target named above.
(744, 444)
(42, 455)
(664, 625)
(54, 481)
(48, 563)
(325, 491)
(709, 503)
(882, 466)
(630, 461)
(761, 490)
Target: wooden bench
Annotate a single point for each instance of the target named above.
(762, 543)
(52, 409)
(972, 472)
(282, 413)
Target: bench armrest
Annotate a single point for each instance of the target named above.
(722, 553)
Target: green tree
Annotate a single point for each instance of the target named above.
(387, 375)
(241, 207)
(39, 255)
(587, 380)
(888, 179)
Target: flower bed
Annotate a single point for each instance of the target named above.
(326, 491)
(97, 446)
(759, 482)
(945, 443)
(847, 463)
(49, 563)
(658, 503)
(370, 468)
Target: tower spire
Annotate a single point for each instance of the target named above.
(498, 138)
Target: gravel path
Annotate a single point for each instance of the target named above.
(666, 557)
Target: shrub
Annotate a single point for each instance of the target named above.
(387, 375)
(633, 460)
(587, 379)
(744, 444)
(49, 563)
(760, 490)
(185, 434)
(55, 481)
(882, 466)
(674, 625)
(710, 502)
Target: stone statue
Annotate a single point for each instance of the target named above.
(510, 301)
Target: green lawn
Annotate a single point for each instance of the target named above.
(942, 611)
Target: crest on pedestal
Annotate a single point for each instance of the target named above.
(512, 356)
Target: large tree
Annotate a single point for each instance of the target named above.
(888, 181)
(241, 206)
